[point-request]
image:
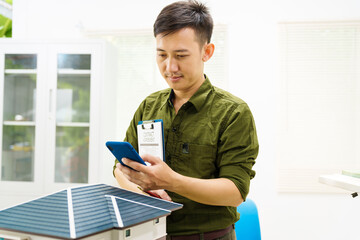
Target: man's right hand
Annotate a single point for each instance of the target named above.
(128, 185)
(125, 183)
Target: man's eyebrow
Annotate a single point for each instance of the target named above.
(179, 50)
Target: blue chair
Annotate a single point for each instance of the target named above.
(248, 227)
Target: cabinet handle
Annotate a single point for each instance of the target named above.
(50, 101)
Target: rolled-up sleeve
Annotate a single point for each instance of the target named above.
(238, 148)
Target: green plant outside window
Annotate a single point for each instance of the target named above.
(5, 22)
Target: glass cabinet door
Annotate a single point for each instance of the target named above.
(50, 114)
(18, 125)
(72, 118)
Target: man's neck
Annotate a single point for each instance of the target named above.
(181, 97)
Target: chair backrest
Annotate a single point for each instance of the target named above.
(248, 227)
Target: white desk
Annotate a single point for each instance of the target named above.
(341, 181)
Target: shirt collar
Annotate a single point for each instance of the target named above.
(197, 100)
(167, 98)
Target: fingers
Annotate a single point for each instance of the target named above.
(134, 165)
(135, 174)
(151, 159)
(148, 177)
(162, 194)
(123, 171)
(125, 183)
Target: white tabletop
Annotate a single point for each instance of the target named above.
(341, 181)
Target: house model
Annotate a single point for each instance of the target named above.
(89, 212)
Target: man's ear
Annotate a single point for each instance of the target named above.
(208, 51)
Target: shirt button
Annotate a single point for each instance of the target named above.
(174, 129)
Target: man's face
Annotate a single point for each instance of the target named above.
(180, 60)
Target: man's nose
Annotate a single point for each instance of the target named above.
(172, 65)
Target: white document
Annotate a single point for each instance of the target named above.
(151, 138)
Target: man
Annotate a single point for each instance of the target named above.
(210, 136)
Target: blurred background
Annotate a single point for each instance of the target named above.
(72, 73)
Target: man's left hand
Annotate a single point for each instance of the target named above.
(157, 175)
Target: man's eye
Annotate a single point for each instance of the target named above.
(181, 56)
(162, 55)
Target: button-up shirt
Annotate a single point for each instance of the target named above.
(212, 136)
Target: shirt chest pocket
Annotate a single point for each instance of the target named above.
(196, 160)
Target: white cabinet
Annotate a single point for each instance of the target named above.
(49, 107)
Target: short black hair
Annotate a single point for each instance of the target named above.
(183, 14)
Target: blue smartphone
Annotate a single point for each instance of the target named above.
(124, 149)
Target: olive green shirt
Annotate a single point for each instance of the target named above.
(212, 136)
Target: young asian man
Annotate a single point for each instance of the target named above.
(210, 136)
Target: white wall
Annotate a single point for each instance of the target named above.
(253, 77)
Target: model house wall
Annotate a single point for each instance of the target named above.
(147, 230)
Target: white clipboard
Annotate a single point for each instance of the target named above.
(151, 138)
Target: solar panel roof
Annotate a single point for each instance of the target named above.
(82, 211)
